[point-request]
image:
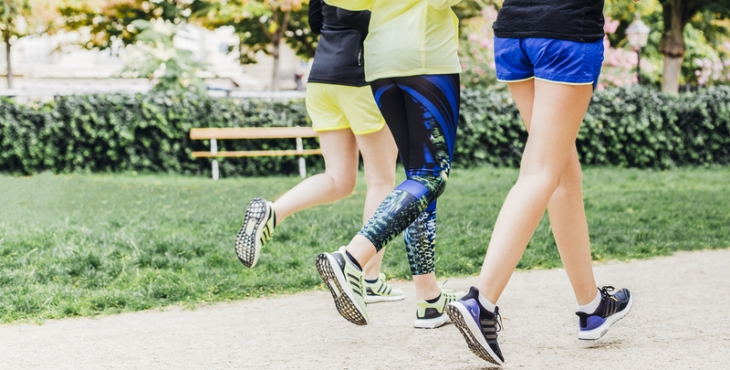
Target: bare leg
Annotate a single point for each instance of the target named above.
(566, 210)
(557, 113)
(426, 286)
(379, 155)
(339, 150)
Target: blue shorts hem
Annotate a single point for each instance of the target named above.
(513, 77)
(565, 79)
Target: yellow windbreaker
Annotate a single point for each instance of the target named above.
(408, 37)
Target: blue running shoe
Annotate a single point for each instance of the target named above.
(613, 307)
(478, 326)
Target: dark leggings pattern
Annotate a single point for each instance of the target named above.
(422, 112)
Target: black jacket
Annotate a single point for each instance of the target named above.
(575, 20)
(339, 56)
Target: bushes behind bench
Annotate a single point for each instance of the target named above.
(148, 133)
(632, 127)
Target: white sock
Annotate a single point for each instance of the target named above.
(486, 304)
(591, 307)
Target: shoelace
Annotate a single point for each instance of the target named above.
(491, 327)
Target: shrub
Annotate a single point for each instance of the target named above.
(149, 133)
(628, 127)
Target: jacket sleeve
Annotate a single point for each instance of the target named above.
(443, 4)
(315, 16)
(355, 20)
(352, 4)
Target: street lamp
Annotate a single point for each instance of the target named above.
(638, 35)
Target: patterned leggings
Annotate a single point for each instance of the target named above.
(422, 112)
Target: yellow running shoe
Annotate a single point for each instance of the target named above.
(381, 291)
(432, 315)
(346, 283)
(257, 228)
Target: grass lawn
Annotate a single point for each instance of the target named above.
(98, 244)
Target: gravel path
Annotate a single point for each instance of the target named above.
(679, 321)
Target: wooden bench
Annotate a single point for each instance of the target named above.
(215, 134)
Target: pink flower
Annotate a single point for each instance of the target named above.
(611, 25)
(490, 12)
(633, 59)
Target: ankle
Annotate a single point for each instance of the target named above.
(486, 303)
(427, 293)
(353, 260)
(591, 306)
(370, 278)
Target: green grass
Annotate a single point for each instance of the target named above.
(80, 245)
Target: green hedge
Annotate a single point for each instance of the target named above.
(631, 127)
(628, 127)
(149, 133)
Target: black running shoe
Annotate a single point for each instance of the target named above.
(478, 326)
(613, 307)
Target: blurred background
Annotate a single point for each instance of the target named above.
(239, 47)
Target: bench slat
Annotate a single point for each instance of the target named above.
(256, 153)
(251, 133)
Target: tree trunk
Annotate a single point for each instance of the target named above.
(672, 44)
(672, 71)
(276, 47)
(6, 38)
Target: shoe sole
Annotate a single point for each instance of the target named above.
(467, 329)
(434, 323)
(377, 298)
(600, 331)
(341, 291)
(248, 245)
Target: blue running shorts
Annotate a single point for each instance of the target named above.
(559, 61)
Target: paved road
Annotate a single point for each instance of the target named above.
(679, 320)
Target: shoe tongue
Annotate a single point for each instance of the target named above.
(340, 260)
(485, 314)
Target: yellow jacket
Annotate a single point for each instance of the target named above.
(408, 37)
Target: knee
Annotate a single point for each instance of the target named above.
(436, 184)
(344, 183)
(547, 180)
(571, 179)
(380, 180)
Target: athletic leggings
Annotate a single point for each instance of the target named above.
(422, 112)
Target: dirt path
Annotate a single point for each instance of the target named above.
(680, 320)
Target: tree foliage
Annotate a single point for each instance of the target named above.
(21, 18)
(260, 24)
(156, 58)
(703, 37)
(110, 20)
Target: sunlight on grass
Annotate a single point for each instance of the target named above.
(80, 245)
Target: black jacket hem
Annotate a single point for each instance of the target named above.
(337, 82)
(547, 35)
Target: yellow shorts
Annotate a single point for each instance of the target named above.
(338, 107)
